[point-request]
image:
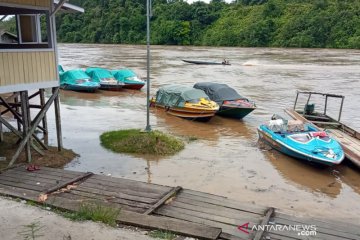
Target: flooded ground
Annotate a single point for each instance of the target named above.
(226, 158)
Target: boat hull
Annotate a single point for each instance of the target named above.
(111, 87)
(293, 152)
(187, 113)
(234, 112)
(204, 62)
(79, 88)
(133, 86)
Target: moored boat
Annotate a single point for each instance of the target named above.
(348, 137)
(231, 103)
(199, 62)
(104, 78)
(128, 78)
(185, 102)
(77, 80)
(301, 141)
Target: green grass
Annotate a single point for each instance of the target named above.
(162, 234)
(135, 141)
(95, 212)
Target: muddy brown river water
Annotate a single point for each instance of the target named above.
(226, 158)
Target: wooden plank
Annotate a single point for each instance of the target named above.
(33, 178)
(69, 182)
(35, 174)
(89, 199)
(128, 191)
(219, 219)
(117, 194)
(319, 228)
(182, 216)
(126, 217)
(227, 236)
(226, 203)
(339, 226)
(155, 187)
(44, 171)
(274, 236)
(20, 184)
(265, 221)
(170, 194)
(213, 209)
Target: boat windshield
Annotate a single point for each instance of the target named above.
(301, 137)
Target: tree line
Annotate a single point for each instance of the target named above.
(245, 23)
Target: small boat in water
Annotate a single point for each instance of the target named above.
(231, 103)
(301, 141)
(104, 78)
(348, 137)
(185, 102)
(224, 62)
(77, 80)
(128, 78)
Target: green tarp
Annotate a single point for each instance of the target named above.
(98, 73)
(218, 92)
(70, 77)
(126, 76)
(177, 95)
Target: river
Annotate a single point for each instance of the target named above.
(226, 158)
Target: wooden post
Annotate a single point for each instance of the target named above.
(1, 133)
(42, 103)
(24, 112)
(297, 95)
(16, 100)
(58, 118)
(36, 122)
(341, 107)
(326, 101)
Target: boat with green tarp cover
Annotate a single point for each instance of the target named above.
(231, 103)
(104, 78)
(129, 78)
(77, 80)
(185, 102)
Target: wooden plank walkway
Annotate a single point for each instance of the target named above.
(183, 211)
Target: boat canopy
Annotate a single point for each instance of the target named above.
(97, 74)
(126, 75)
(218, 92)
(177, 95)
(71, 76)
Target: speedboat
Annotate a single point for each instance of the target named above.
(301, 141)
(185, 102)
(77, 80)
(104, 78)
(231, 103)
(129, 78)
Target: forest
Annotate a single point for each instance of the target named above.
(243, 23)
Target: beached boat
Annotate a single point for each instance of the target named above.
(104, 78)
(301, 141)
(77, 80)
(129, 78)
(231, 103)
(185, 102)
(225, 62)
(348, 137)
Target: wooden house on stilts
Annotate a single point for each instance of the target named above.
(28, 66)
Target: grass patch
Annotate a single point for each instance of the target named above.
(135, 141)
(162, 234)
(94, 212)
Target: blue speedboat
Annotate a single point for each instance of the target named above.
(77, 80)
(302, 141)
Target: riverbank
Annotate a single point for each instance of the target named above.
(52, 157)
